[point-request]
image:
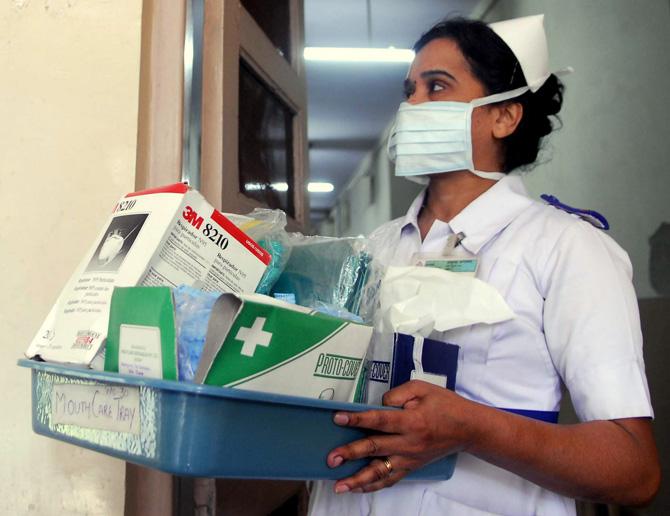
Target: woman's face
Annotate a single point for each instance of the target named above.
(441, 72)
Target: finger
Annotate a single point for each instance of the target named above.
(375, 472)
(373, 477)
(387, 421)
(373, 446)
(401, 395)
(395, 477)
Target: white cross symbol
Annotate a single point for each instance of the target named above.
(254, 336)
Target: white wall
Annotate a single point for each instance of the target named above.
(372, 196)
(68, 122)
(366, 197)
(612, 154)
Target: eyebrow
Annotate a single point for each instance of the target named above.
(429, 73)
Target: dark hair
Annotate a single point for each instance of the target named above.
(495, 65)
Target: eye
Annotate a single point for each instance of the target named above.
(436, 86)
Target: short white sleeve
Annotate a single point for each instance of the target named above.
(592, 325)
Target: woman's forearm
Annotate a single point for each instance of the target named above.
(608, 461)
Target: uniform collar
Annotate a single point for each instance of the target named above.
(491, 212)
(484, 217)
(412, 215)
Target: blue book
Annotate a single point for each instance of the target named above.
(417, 358)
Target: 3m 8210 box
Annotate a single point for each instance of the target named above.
(164, 236)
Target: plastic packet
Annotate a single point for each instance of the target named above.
(369, 297)
(337, 312)
(192, 310)
(266, 227)
(330, 272)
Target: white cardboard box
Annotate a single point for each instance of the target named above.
(164, 236)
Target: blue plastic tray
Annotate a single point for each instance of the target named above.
(217, 432)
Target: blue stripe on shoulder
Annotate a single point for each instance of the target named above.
(591, 216)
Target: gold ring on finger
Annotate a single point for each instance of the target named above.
(388, 465)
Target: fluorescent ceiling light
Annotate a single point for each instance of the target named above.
(320, 187)
(257, 187)
(315, 187)
(361, 55)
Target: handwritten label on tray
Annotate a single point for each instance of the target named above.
(103, 407)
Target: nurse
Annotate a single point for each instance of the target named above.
(479, 100)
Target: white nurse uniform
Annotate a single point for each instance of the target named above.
(576, 322)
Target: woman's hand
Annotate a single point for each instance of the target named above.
(434, 423)
(611, 461)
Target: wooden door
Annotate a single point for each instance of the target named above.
(197, 59)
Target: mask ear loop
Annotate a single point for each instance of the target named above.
(499, 97)
(494, 176)
(492, 99)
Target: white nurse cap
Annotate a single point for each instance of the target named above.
(528, 41)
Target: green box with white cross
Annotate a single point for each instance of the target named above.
(258, 343)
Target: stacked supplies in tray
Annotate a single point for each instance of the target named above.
(336, 276)
(163, 236)
(249, 341)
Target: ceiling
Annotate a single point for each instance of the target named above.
(350, 104)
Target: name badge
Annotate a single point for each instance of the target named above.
(452, 259)
(447, 263)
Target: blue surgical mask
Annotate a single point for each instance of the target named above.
(436, 137)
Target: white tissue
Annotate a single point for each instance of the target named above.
(419, 300)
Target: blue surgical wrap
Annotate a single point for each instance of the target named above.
(279, 252)
(192, 310)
